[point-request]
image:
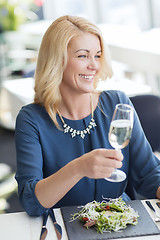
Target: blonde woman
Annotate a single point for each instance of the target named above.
(63, 153)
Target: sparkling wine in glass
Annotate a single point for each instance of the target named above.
(119, 134)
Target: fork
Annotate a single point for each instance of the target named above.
(157, 219)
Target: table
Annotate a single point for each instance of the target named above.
(16, 93)
(20, 226)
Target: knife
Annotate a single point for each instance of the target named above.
(44, 230)
(57, 227)
(151, 207)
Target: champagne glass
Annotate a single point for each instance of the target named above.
(119, 134)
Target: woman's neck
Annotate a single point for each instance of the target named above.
(75, 108)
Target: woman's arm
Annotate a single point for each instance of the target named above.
(96, 164)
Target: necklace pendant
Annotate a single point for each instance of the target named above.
(73, 134)
(87, 129)
(82, 135)
(66, 128)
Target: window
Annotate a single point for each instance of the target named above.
(54, 9)
(141, 13)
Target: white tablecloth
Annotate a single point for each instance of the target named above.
(20, 226)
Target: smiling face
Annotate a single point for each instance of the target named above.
(83, 64)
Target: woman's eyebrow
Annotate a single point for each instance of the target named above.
(86, 50)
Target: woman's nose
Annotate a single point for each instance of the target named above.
(93, 64)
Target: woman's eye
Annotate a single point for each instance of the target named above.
(82, 56)
(98, 56)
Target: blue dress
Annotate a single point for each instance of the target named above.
(42, 149)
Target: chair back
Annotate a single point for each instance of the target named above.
(148, 110)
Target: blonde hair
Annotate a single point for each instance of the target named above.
(52, 60)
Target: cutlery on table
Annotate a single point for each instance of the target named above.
(153, 209)
(57, 227)
(44, 230)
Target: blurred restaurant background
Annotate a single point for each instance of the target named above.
(131, 29)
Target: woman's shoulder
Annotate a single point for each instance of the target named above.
(32, 112)
(33, 106)
(114, 96)
(30, 108)
(108, 100)
(33, 116)
(112, 93)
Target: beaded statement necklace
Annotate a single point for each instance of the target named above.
(74, 132)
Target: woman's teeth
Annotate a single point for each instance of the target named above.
(86, 77)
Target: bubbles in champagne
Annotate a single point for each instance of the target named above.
(120, 133)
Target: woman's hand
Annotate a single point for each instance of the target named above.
(158, 193)
(99, 163)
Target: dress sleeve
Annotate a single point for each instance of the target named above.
(29, 162)
(144, 167)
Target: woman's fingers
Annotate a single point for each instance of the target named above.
(108, 158)
(100, 163)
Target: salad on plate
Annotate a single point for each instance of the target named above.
(107, 216)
